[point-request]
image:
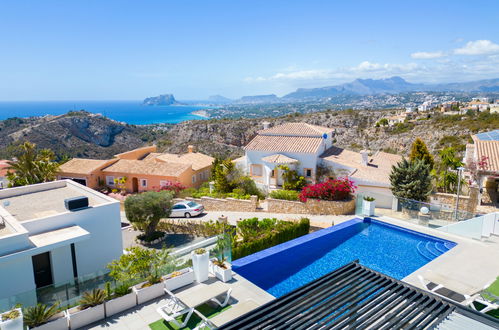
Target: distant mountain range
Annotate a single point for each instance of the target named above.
(360, 87)
(391, 85)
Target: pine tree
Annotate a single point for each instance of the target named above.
(411, 180)
(420, 151)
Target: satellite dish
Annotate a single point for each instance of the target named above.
(324, 136)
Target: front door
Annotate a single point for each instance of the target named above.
(135, 185)
(42, 270)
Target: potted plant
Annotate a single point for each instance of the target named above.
(200, 264)
(179, 278)
(43, 317)
(12, 320)
(368, 206)
(90, 310)
(119, 299)
(140, 264)
(220, 268)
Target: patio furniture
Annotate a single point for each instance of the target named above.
(488, 299)
(441, 290)
(173, 309)
(205, 292)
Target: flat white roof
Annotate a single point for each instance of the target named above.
(68, 234)
(46, 199)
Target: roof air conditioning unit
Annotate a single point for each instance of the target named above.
(76, 203)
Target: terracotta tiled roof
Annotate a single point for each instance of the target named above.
(196, 159)
(489, 149)
(279, 159)
(83, 166)
(147, 168)
(296, 129)
(281, 143)
(378, 168)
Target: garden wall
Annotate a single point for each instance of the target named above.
(226, 204)
(311, 206)
(466, 203)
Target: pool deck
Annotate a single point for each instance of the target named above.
(141, 316)
(467, 268)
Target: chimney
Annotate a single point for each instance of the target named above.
(364, 155)
(266, 125)
(190, 148)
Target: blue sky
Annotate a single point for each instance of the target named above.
(126, 50)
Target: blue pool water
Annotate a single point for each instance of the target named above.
(389, 249)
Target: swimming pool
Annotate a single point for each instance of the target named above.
(389, 249)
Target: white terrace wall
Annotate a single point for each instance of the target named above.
(311, 206)
(225, 204)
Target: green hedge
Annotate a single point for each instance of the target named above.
(289, 195)
(286, 233)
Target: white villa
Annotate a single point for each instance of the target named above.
(44, 240)
(308, 149)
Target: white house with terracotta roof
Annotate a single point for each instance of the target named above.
(485, 150)
(306, 147)
(296, 145)
(145, 169)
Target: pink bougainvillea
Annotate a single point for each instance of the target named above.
(331, 190)
(176, 187)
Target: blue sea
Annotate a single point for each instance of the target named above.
(131, 112)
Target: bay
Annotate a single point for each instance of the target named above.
(130, 112)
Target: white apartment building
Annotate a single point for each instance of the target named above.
(45, 242)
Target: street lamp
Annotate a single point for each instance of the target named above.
(460, 169)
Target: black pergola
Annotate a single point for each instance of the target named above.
(352, 297)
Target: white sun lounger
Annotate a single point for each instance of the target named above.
(173, 309)
(442, 291)
(484, 299)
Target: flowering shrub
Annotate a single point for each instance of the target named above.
(175, 187)
(331, 190)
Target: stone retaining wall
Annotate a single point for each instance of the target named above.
(466, 203)
(311, 206)
(225, 204)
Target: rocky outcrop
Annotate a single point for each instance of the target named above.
(164, 99)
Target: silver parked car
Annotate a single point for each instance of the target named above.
(186, 209)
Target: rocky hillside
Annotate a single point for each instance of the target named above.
(81, 134)
(355, 130)
(76, 134)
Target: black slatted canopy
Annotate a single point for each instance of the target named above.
(351, 297)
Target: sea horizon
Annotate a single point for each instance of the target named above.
(130, 111)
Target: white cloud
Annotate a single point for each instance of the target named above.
(478, 47)
(427, 55)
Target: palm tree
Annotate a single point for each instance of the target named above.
(449, 161)
(32, 166)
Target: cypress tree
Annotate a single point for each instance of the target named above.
(419, 150)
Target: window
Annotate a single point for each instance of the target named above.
(110, 180)
(308, 172)
(178, 207)
(143, 183)
(165, 183)
(192, 204)
(272, 174)
(256, 170)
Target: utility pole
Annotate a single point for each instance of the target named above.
(459, 171)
